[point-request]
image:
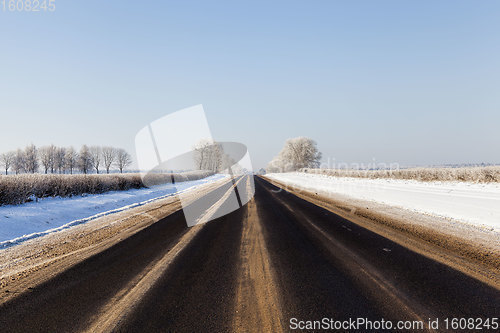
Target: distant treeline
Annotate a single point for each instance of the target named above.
(53, 159)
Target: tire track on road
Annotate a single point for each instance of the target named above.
(257, 297)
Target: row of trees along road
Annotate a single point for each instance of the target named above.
(297, 153)
(210, 156)
(55, 159)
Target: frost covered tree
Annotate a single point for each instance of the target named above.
(7, 160)
(208, 155)
(60, 159)
(123, 159)
(31, 159)
(85, 160)
(297, 153)
(71, 159)
(47, 157)
(19, 162)
(216, 158)
(108, 157)
(200, 153)
(96, 157)
(276, 165)
(52, 152)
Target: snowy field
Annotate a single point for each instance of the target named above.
(477, 204)
(34, 219)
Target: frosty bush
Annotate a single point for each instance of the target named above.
(18, 189)
(487, 174)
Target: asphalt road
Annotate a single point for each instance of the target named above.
(279, 257)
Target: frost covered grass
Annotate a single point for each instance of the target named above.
(18, 189)
(474, 204)
(488, 174)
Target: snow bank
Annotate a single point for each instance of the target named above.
(477, 204)
(34, 219)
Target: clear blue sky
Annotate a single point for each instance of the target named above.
(396, 81)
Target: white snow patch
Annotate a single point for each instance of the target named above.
(19, 223)
(476, 204)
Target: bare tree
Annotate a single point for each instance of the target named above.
(201, 152)
(19, 162)
(84, 160)
(71, 159)
(96, 157)
(215, 158)
(123, 159)
(60, 159)
(297, 153)
(109, 157)
(46, 157)
(7, 160)
(52, 153)
(208, 155)
(31, 158)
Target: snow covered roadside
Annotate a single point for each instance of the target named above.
(476, 204)
(35, 219)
